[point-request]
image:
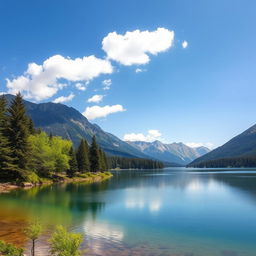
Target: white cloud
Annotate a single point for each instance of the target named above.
(41, 81)
(2, 93)
(134, 47)
(184, 44)
(151, 136)
(97, 111)
(106, 84)
(199, 144)
(96, 98)
(80, 86)
(64, 99)
(139, 70)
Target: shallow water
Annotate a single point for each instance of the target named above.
(175, 212)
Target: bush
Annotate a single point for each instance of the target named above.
(63, 243)
(10, 250)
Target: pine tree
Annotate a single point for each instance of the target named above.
(31, 127)
(102, 166)
(94, 156)
(5, 150)
(18, 133)
(72, 163)
(105, 161)
(82, 156)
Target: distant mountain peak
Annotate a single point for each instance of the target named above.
(173, 152)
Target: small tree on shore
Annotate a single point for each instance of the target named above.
(33, 232)
(63, 243)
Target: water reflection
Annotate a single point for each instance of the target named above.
(164, 212)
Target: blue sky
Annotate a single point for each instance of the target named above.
(204, 93)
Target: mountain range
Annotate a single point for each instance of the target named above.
(174, 152)
(241, 146)
(61, 120)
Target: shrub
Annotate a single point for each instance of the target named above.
(63, 243)
(10, 250)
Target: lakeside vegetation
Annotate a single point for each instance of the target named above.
(232, 162)
(29, 155)
(61, 243)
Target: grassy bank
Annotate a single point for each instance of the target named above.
(88, 177)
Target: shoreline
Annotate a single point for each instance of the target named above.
(6, 187)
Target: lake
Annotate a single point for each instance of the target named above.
(175, 212)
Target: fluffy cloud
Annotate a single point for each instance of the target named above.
(106, 84)
(151, 136)
(64, 99)
(41, 81)
(96, 98)
(134, 47)
(80, 86)
(199, 144)
(139, 70)
(97, 111)
(184, 44)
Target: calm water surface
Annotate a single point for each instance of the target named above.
(175, 212)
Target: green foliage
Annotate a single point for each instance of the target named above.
(94, 156)
(134, 163)
(17, 132)
(49, 154)
(5, 149)
(10, 250)
(63, 243)
(33, 231)
(72, 163)
(82, 156)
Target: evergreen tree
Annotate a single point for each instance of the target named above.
(94, 156)
(31, 127)
(105, 161)
(72, 163)
(102, 166)
(82, 157)
(18, 133)
(5, 150)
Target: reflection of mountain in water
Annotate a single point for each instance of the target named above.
(185, 178)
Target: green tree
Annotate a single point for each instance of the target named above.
(82, 156)
(33, 232)
(94, 156)
(63, 243)
(72, 163)
(18, 133)
(5, 150)
(48, 155)
(10, 250)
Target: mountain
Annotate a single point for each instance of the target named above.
(241, 146)
(174, 152)
(67, 122)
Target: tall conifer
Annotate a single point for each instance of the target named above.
(72, 163)
(18, 132)
(82, 157)
(94, 156)
(5, 150)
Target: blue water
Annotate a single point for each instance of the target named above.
(176, 211)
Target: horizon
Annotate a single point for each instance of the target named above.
(181, 72)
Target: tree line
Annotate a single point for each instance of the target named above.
(26, 153)
(237, 162)
(134, 163)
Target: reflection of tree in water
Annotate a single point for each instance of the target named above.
(51, 205)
